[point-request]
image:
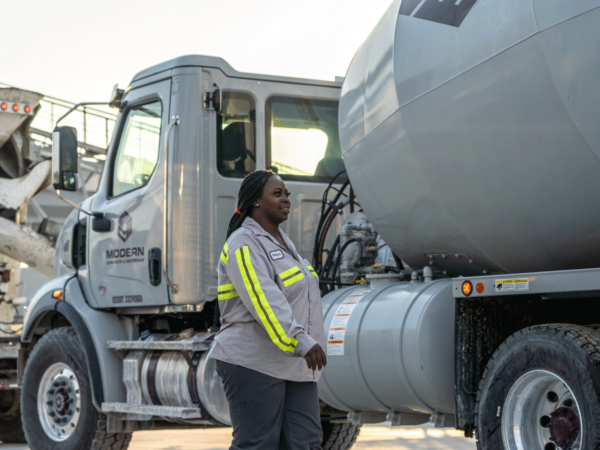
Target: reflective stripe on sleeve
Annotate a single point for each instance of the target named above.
(312, 271)
(225, 254)
(228, 295)
(291, 276)
(289, 272)
(293, 280)
(227, 291)
(260, 303)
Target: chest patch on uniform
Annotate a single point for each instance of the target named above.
(276, 255)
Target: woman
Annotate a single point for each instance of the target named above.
(269, 349)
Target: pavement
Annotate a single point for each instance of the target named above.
(372, 437)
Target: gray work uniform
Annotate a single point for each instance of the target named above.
(270, 304)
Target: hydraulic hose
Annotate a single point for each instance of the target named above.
(339, 257)
(323, 219)
(325, 230)
(324, 273)
(325, 214)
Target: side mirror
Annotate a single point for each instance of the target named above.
(64, 159)
(217, 99)
(116, 96)
(214, 100)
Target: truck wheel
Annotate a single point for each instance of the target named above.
(56, 400)
(541, 390)
(339, 436)
(11, 430)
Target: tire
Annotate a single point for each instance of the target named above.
(339, 436)
(11, 429)
(56, 372)
(551, 372)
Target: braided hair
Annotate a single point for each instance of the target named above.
(250, 190)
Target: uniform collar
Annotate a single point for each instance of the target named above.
(256, 229)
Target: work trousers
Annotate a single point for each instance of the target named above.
(269, 413)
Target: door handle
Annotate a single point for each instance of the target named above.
(154, 263)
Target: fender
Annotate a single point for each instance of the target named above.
(40, 305)
(94, 328)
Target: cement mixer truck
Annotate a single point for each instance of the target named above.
(446, 192)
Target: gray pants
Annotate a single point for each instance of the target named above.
(271, 414)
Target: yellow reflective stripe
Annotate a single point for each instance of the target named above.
(281, 339)
(310, 268)
(226, 287)
(228, 295)
(289, 272)
(265, 303)
(225, 254)
(293, 280)
(314, 273)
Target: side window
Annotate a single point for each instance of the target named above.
(302, 139)
(236, 130)
(138, 148)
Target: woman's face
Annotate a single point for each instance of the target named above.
(274, 202)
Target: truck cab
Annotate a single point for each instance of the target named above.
(189, 131)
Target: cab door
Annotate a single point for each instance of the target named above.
(126, 261)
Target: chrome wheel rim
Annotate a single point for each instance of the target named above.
(541, 412)
(59, 402)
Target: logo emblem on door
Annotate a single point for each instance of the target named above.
(125, 226)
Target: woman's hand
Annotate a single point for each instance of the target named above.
(315, 358)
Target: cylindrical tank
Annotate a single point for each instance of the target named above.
(173, 380)
(390, 348)
(481, 117)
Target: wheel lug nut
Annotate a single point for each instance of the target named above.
(68, 390)
(56, 384)
(51, 391)
(51, 413)
(49, 403)
(65, 420)
(56, 420)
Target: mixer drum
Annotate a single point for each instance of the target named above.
(390, 348)
(481, 117)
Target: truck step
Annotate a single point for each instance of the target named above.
(153, 410)
(191, 346)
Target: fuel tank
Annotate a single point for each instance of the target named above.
(470, 133)
(390, 349)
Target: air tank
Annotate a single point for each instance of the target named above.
(390, 349)
(470, 133)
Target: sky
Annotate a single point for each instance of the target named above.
(78, 50)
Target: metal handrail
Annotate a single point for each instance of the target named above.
(174, 121)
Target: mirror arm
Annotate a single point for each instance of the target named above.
(96, 214)
(81, 104)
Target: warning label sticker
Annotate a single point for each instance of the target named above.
(512, 285)
(337, 329)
